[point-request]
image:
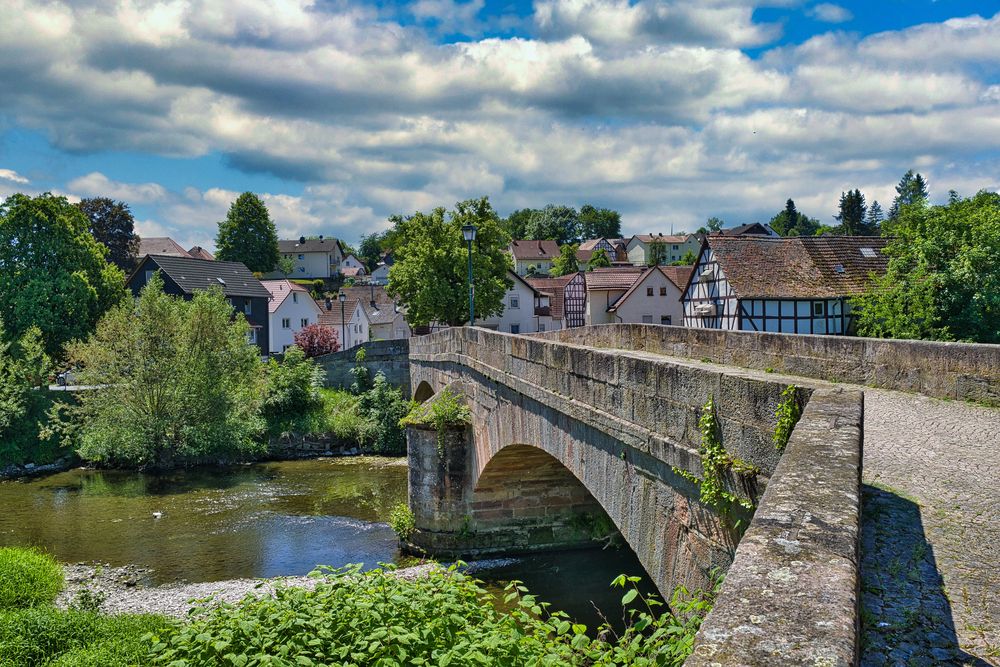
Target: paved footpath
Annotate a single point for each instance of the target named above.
(930, 532)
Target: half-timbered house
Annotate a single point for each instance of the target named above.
(567, 298)
(788, 285)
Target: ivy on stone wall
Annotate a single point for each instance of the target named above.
(788, 413)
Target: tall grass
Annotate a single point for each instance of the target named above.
(28, 578)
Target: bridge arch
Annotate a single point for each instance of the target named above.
(424, 392)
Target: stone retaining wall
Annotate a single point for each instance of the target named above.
(791, 594)
(962, 371)
(391, 357)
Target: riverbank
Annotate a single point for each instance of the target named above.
(122, 590)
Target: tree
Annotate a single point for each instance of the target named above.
(113, 226)
(912, 189)
(180, 382)
(316, 339)
(517, 222)
(285, 266)
(713, 225)
(657, 254)
(53, 273)
(558, 223)
(598, 260)
(566, 262)
(24, 372)
(943, 278)
(385, 406)
(248, 235)
(370, 249)
(790, 222)
(688, 259)
(430, 271)
(292, 388)
(599, 223)
(852, 215)
(875, 218)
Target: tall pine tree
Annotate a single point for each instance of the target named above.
(911, 188)
(852, 214)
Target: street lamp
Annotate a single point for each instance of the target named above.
(343, 322)
(469, 233)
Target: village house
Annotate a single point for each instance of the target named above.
(613, 248)
(525, 310)
(604, 287)
(788, 285)
(567, 299)
(162, 245)
(311, 258)
(654, 298)
(184, 275)
(386, 319)
(353, 329)
(533, 256)
(380, 274)
(670, 248)
(289, 311)
(752, 228)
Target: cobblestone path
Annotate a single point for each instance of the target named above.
(930, 532)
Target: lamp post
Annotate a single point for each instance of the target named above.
(341, 297)
(469, 233)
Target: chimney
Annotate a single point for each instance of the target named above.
(302, 240)
(320, 238)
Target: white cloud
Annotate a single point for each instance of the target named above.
(96, 184)
(12, 176)
(830, 13)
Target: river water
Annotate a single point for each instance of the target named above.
(262, 520)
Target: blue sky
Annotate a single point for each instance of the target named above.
(341, 113)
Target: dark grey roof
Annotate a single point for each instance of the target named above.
(310, 245)
(192, 274)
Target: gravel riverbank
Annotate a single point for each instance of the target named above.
(122, 591)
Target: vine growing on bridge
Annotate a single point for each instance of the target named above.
(788, 413)
(715, 462)
(446, 410)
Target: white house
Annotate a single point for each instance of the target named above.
(537, 255)
(604, 287)
(354, 328)
(380, 276)
(386, 321)
(289, 310)
(526, 310)
(311, 258)
(654, 298)
(797, 285)
(641, 246)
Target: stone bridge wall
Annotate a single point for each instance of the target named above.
(619, 421)
(962, 371)
(391, 357)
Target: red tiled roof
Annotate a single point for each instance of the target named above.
(200, 253)
(331, 318)
(525, 250)
(678, 275)
(555, 288)
(279, 290)
(662, 238)
(161, 245)
(613, 278)
(799, 267)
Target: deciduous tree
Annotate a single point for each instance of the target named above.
(53, 273)
(566, 262)
(517, 222)
(599, 223)
(558, 223)
(316, 339)
(248, 235)
(113, 226)
(598, 260)
(430, 271)
(713, 225)
(790, 222)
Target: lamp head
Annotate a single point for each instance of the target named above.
(469, 232)
(342, 297)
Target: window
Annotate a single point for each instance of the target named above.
(286, 323)
(295, 297)
(252, 336)
(647, 319)
(677, 247)
(665, 319)
(663, 291)
(541, 327)
(868, 252)
(819, 308)
(302, 256)
(304, 322)
(149, 274)
(247, 307)
(515, 328)
(302, 269)
(649, 292)
(515, 302)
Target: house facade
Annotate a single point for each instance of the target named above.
(605, 287)
(311, 258)
(797, 285)
(526, 310)
(671, 248)
(386, 321)
(353, 328)
(654, 298)
(567, 299)
(537, 255)
(183, 276)
(289, 311)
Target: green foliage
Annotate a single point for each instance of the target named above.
(599, 223)
(53, 273)
(788, 413)
(912, 189)
(566, 262)
(385, 407)
(688, 259)
(402, 521)
(790, 222)
(112, 224)
(558, 223)
(598, 260)
(28, 578)
(285, 266)
(712, 226)
(24, 397)
(179, 379)
(715, 462)
(430, 271)
(516, 223)
(248, 235)
(853, 215)
(447, 410)
(657, 255)
(943, 278)
(360, 373)
(292, 388)
(47, 636)
(376, 618)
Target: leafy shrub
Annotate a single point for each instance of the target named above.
(316, 339)
(446, 617)
(402, 521)
(28, 578)
(47, 636)
(342, 418)
(385, 406)
(360, 373)
(292, 388)
(24, 398)
(788, 413)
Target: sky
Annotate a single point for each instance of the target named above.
(340, 113)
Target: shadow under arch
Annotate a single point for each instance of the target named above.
(424, 392)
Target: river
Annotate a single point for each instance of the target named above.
(263, 520)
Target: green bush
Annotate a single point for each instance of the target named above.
(28, 578)
(24, 400)
(377, 618)
(402, 521)
(292, 389)
(48, 636)
(385, 406)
